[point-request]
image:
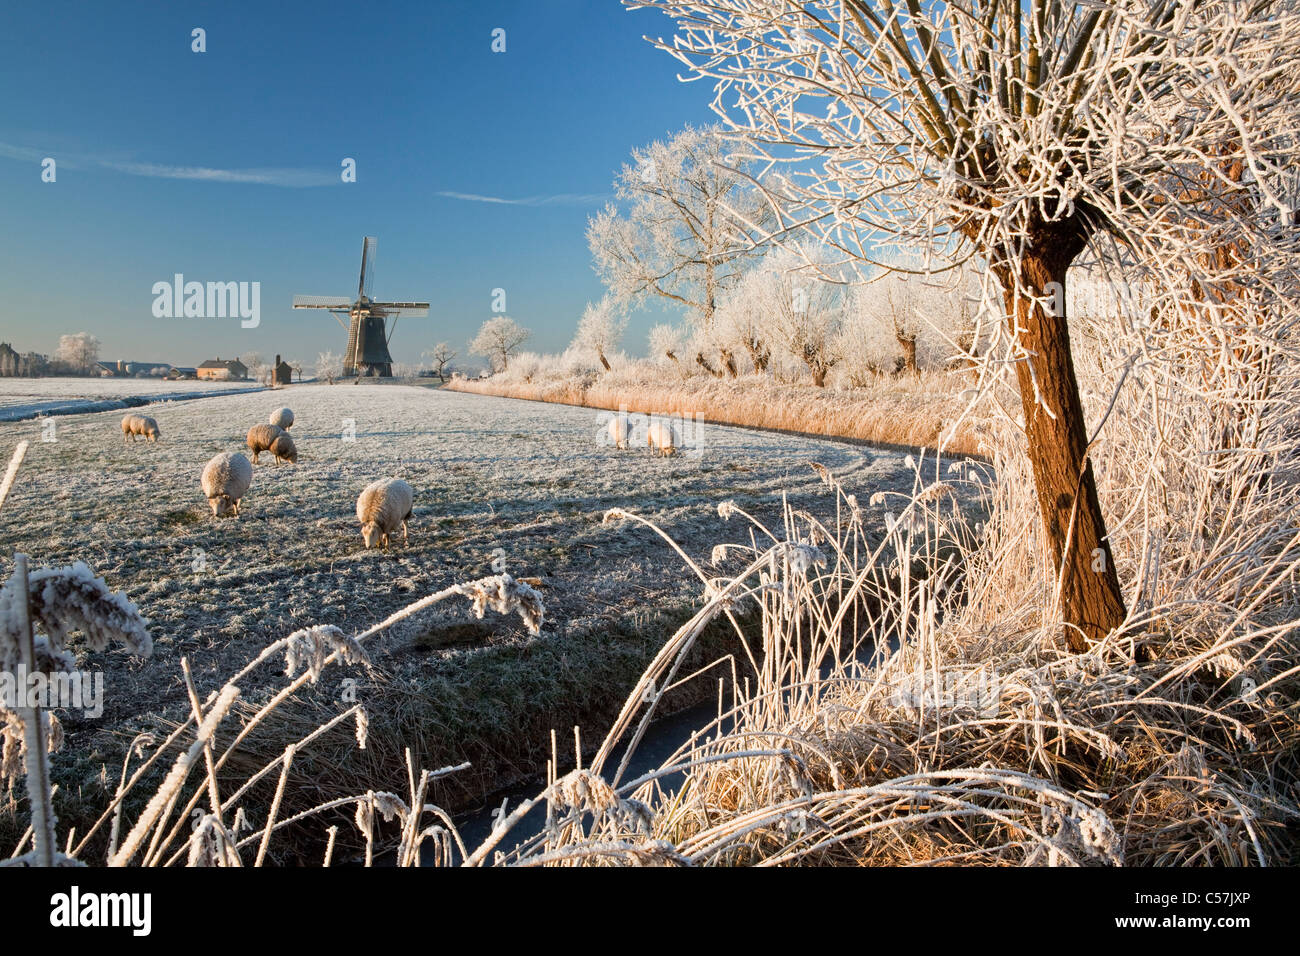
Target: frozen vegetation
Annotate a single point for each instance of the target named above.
(529, 479)
(499, 485)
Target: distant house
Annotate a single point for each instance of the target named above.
(13, 364)
(180, 371)
(219, 369)
(29, 364)
(281, 373)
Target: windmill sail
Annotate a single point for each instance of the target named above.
(368, 248)
(322, 302)
(368, 332)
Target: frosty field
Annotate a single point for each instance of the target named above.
(527, 478)
(22, 398)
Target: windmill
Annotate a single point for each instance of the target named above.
(368, 330)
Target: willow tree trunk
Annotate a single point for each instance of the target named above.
(705, 364)
(908, 344)
(1091, 602)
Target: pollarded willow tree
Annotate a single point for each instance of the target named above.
(1021, 134)
(801, 310)
(601, 328)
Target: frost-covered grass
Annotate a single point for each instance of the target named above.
(531, 480)
(891, 678)
(22, 398)
(977, 737)
(972, 735)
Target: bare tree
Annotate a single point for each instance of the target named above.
(441, 355)
(328, 366)
(683, 237)
(786, 302)
(601, 328)
(79, 350)
(255, 363)
(1022, 134)
(497, 340)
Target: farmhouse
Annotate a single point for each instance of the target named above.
(281, 373)
(219, 369)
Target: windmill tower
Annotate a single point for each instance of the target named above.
(368, 329)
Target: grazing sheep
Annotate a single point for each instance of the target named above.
(225, 479)
(142, 425)
(662, 438)
(260, 438)
(284, 449)
(381, 507)
(619, 430)
(282, 417)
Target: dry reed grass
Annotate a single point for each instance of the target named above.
(914, 411)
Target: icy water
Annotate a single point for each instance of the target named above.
(663, 737)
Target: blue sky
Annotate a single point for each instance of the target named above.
(285, 91)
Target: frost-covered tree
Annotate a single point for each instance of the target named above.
(1024, 133)
(601, 328)
(441, 355)
(498, 338)
(867, 347)
(80, 350)
(744, 320)
(784, 302)
(667, 342)
(683, 235)
(806, 313)
(929, 319)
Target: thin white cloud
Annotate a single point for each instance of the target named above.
(560, 199)
(21, 152)
(290, 177)
(264, 177)
(295, 178)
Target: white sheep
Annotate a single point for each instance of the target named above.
(619, 431)
(274, 439)
(662, 438)
(283, 417)
(142, 425)
(382, 506)
(225, 480)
